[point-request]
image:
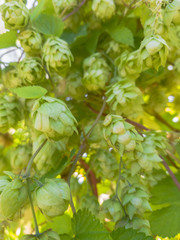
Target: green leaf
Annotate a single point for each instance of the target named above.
(44, 6)
(49, 24)
(71, 37)
(178, 148)
(165, 222)
(128, 234)
(29, 92)
(92, 41)
(121, 34)
(8, 39)
(86, 226)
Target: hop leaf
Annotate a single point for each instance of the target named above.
(53, 197)
(48, 235)
(53, 118)
(15, 15)
(57, 55)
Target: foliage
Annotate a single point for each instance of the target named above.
(89, 120)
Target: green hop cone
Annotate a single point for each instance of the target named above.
(129, 65)
(31, 71)
(57, 55)
(121, 135)
(104, 165)
(150, 26)
(53, 118)
(74, 86)
(112, 210)
(96, 72)
(31, 41)
(122, 95)
(60, 5)
(19, 157)
(48, 235)
(91, 203)
(171, 14)
(11, 78)
(135, 200)
(10, 112)
(53, 197)
(103, 9)
(153, 52)
(50, 155)
(12, 198)
(15, 15)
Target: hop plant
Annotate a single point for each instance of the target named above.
(48, 235)
(153, 52)
(60, 5)
(4, 180)
(157, 100)
(104, 165)
(31, 41)
(91, 203)
(19, 157)
(129, 65)
(57, 55)
(135, 200)
(53, 197)
(112, 210)
(15, 15)
(10, 112)
(31, 71)
(121, 135)
(11, 78)
(103, 9)
(74, 86)
(96, 72)
(12, 198)
(53, 118)
(122, 95)
(49, 156)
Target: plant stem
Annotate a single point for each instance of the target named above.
(32, 207)
(28, 169)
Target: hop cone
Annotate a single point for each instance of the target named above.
(91, 203)
(19, 157)
(74, 86)
(53, 197)
(113, 48)
(12, 198)
(112, 210)
(104, 165)
(31, 71)
(96, 72)
(135, 200)
(53, 118)
(50, 155)
(121, 135)
(103, 9)
(57, 55)
(10, 112)
(128, 65)
(153, 52)
(48, 235)
(31, 41)
(146, 160)
(60, 5)
(11, 78)
(122, 95)
(15, 15)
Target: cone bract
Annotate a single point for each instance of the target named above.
(53, 118)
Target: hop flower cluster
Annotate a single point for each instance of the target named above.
(104, 9)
